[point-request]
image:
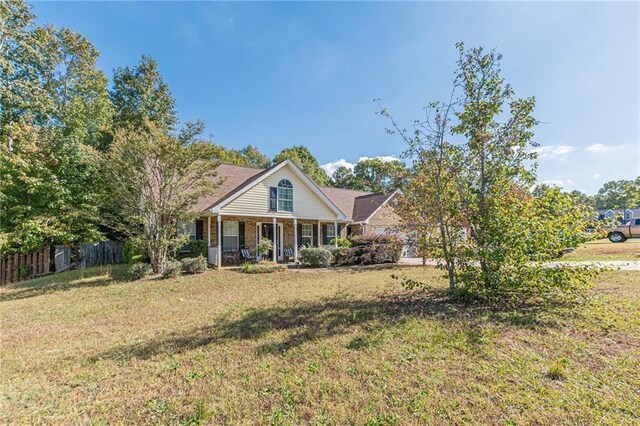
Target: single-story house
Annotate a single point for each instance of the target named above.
(284, 205)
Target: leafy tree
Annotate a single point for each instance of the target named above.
(153, 180)
(429, 202)
(484, 185)
(619, 194)
(372, 175)
(54, 108)
(303, 158)
(254, 158)
(343, 177)
(140, 95)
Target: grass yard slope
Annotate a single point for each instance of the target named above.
(326, 347)
(606, 250)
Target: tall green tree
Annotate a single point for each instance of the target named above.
(54, 110)
(484, 185)
(620, 194)
(154, 180)
(140, 95)
(372, 174)
(303, 158)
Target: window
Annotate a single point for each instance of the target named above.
(307, 235)
(285, 196)
(230, 232)
(637, 222)
(187, 228)
(331, 231)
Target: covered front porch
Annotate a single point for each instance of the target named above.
(228, 235)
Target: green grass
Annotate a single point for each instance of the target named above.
(606, 250)
(310, 347)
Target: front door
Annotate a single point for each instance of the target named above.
(266, 231)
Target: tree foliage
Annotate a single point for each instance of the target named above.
(483, 183)
(303, 158)
(372, 174)
(620, 194)
(153, 181)
(54, 109)
(140, 95)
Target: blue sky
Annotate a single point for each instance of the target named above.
(278, 74)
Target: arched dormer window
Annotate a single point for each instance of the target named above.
(285, 196)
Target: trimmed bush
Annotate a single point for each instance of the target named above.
(315, 257)
(171, 269)
(262, 268)
(370, 250)
(194, 265)
(198, 248)
(138, 270)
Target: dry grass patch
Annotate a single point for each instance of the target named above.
(606, 250)
(338, 347)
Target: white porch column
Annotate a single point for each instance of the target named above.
(335, 232)
(295, 239)
(219, 239)
(275, 238)
(319, 234)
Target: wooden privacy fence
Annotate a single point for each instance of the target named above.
(89, 254)
(103, 253)
(21, 267)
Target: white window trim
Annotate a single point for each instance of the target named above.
(303, 236)
(329, 234)
(278, 198)
(225, 235)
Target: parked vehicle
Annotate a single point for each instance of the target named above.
(630, 229)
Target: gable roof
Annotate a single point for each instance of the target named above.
(238, 179)
(345, 199)
(358, 206)
(233, 178)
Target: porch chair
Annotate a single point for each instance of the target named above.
(288, 252)
(246, 254)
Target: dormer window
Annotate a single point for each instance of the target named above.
(281, 197)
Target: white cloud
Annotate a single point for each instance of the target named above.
(598, 147)
(556, 182)
(596, 175)
(385, 158)
(550, 151)
(333, 165)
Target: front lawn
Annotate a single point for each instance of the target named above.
(606, 250)
(310, 347)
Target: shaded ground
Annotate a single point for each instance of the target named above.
(337, 347)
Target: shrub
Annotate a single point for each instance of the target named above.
(198, 248)
(369, 250)
(315, 257)
(171, 268)
(342, 242)
(344, 256)
(262, 268)
(138, 270)
(264, 246)
(194, 265)
(134, 251)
